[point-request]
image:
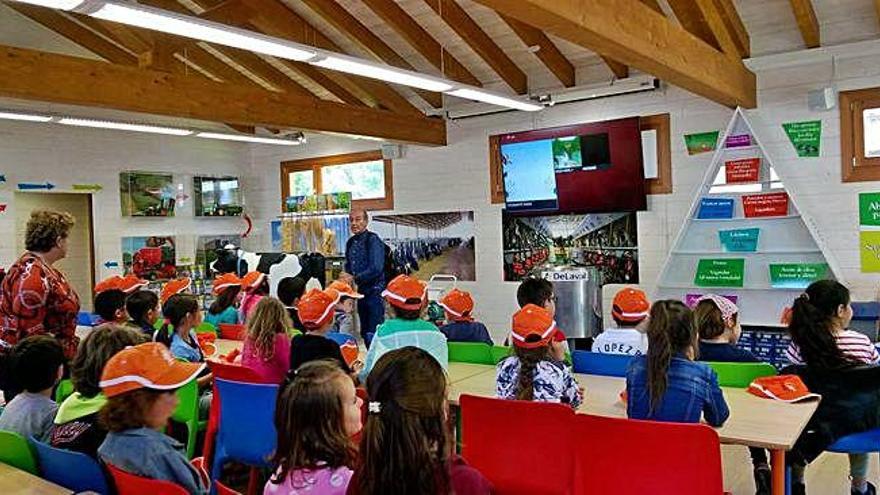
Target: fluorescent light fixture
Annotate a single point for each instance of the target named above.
(5, 115)
(199, 29)
(120, 126)
(248, 139)
(55, 4)
(383, 72)
(485, 97)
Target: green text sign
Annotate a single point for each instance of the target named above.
(720, 272)
(796, 275)
(869, 209)
(804, 136)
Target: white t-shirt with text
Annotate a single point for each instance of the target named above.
(626, 341)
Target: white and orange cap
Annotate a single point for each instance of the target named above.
(630, 305)
(315, 308)
(345, 290)
(174, 287)
(149, 365)
(533, 327)
(458, 303)
(131, 283)
(224, 282)
(113, 282)
(252, 280)
(402, 289)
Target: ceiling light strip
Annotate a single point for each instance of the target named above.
(249, 139)
(123, 126)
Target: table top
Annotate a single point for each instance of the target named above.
(753, 421)
(225, 346)
(14, 481)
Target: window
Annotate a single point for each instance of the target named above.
(366, 175)
(860, 135)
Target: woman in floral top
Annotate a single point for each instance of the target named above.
(35, 298)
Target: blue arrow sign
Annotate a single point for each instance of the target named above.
(111, 264)
(24, 186)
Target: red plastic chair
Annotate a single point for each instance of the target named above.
(624, 456)
(130, 484)
(232, 332)
(225, 490)
(501, 437)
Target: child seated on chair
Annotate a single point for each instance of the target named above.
(539, 292)
(36, 366)
(717, 322)
(629, 310)
(316, 313)
(110, 300)
(255, 286)
(290, 290)
(460, 325)
(536, 371)
(140, 384)
(266, 348)
(182, 315)
(143, 310)
(224, 310)
(343, 319)
(316, 416)
(407, 299)
(666, 384)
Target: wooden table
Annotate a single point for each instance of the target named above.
(14, 481)
(225, 346)
(753, 421)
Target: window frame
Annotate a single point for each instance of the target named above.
(317, 163)
(854, 165)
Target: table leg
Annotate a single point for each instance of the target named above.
(777, 464)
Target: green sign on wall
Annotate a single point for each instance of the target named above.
(720, 272)
(796, 275)
(702, 142)
(805, 137)
(869, 209)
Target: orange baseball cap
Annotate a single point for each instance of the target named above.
(224, 282)
(403, 288)
(173, 287)
(344, 289)
(630, 305)
(131, 283)
(110, 283)
(785, 388)
(315, 308)
(252, 280)
(349, 351)
(533, 327)
(149, 365)
(458, 303)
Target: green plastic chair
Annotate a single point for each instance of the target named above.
(63, 390)
(740, 375)
(187, 412)
(470, 352)
(206, 327)
(16, 452)
(499, 352)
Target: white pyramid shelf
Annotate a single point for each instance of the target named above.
(791, 238)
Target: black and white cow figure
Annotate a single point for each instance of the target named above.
(232, 259)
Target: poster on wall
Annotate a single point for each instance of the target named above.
(217, 196)
(427, 244)
(869, 250)
(207, 247)
(608, 241)
(150, 258)
(805, 137)
(702, 142)
(144, 194)
(720, 272)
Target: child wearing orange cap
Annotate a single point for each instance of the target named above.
(144, 310)
(266, 348)
(173, 287)
(315, 310)
(460, 325)
(140, 383)
(539, 291)
(535, 371)
(343, 314)
(255, 286)
(407, 299)
(110, 300)
(226, 289)
(629, 309)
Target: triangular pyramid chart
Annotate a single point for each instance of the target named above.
(744, 236)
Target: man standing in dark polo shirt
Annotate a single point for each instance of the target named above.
(365, 266)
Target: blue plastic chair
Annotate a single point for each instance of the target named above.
(72, 470)
(594, 363)
(86, 319)
(246, 433)
(858, 443)
(340, 338)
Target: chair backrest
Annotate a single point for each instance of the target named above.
(470, 352)
(206, 327)
(224, 490)
(188, 405)
(340, 338)
(594, 363)
(247, 421)
(232, 332)
(499, 352)
(15, 451)
(72, 470)
(63, 390)
(543, 442)
(234, 372)
(130, 484)
(627, 456)
(740, 375)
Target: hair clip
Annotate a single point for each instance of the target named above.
(375, 407)
(804, 296)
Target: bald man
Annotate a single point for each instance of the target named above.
(365, 266)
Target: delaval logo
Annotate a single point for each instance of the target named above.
(567, 276)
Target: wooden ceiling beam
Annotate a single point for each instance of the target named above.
(351, 27)
(735, 27)
(468, 30)
(711, 13)
(547, 51)
(691, 19)
(655, 6)
(620, 71)
(42, 76)
(405, 26)
(807, 22)
(877, 8)
(634, 34)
